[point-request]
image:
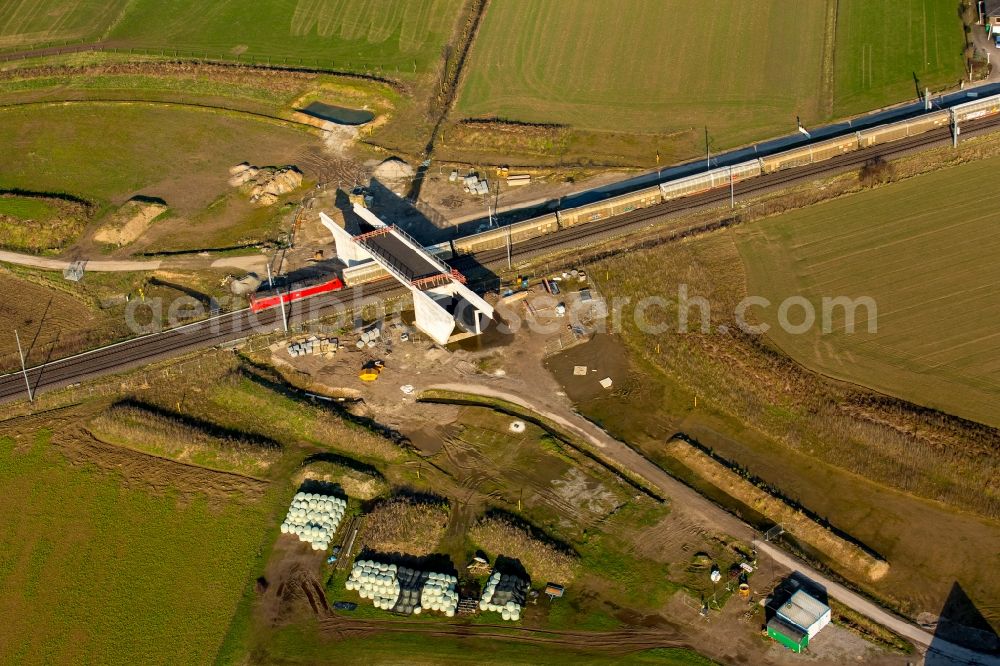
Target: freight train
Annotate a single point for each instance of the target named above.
(262, 300)
(718, 178)
(698, 183)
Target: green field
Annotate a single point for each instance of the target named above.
(925, 249)
(352, 35)
(744, 70)
(173, 153)
(886, 50)
(180, 155)
(93, 571)
(26, 208)
(26, 23)
(648, 66)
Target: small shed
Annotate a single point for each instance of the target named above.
(794, 638)
(806, 612)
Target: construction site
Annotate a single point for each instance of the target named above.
(397, 409)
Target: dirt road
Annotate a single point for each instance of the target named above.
(690, 502)
(245, 262)
(938, 651)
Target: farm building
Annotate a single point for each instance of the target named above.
(798, 620)
(991, 15)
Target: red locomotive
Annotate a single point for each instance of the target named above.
(272, 298)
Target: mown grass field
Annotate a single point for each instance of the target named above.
(179, 155)
(403, 37)
(26, 23)
(648, 66)
(670, 68)
(887, 50)
(925, 250)
(94, 571)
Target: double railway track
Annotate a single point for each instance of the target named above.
(232, 326)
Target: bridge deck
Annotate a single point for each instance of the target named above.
(411, 263)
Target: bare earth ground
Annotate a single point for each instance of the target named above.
(484, 373)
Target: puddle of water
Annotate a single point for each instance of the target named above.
(338, 114)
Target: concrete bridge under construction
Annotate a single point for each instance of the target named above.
(445, 308)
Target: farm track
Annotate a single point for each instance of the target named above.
(614, 642)
(237, 325)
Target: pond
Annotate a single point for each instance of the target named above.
(338, 114)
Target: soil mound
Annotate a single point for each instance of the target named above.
(264, 184)
(129, 222)
(393, 169)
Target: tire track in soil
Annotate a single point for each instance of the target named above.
(611, 642)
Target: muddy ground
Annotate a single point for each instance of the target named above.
(485, 465)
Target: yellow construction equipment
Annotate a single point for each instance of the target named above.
(370, 371)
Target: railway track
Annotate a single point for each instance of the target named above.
(232, 326)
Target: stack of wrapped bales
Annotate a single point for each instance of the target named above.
(403, 589)
(504, 594)
(376, 581)
(314, 518)
(439, 594)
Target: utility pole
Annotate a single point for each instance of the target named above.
(270, 280)
(732, 193)
(24, 368)
(508, 247)
(708, 152)
(284, 317)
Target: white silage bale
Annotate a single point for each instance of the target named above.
(505, 614)
(284, 528)
(417, 610)
(450, 612)
(483, 605)
(515, 616)
(510, 605)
